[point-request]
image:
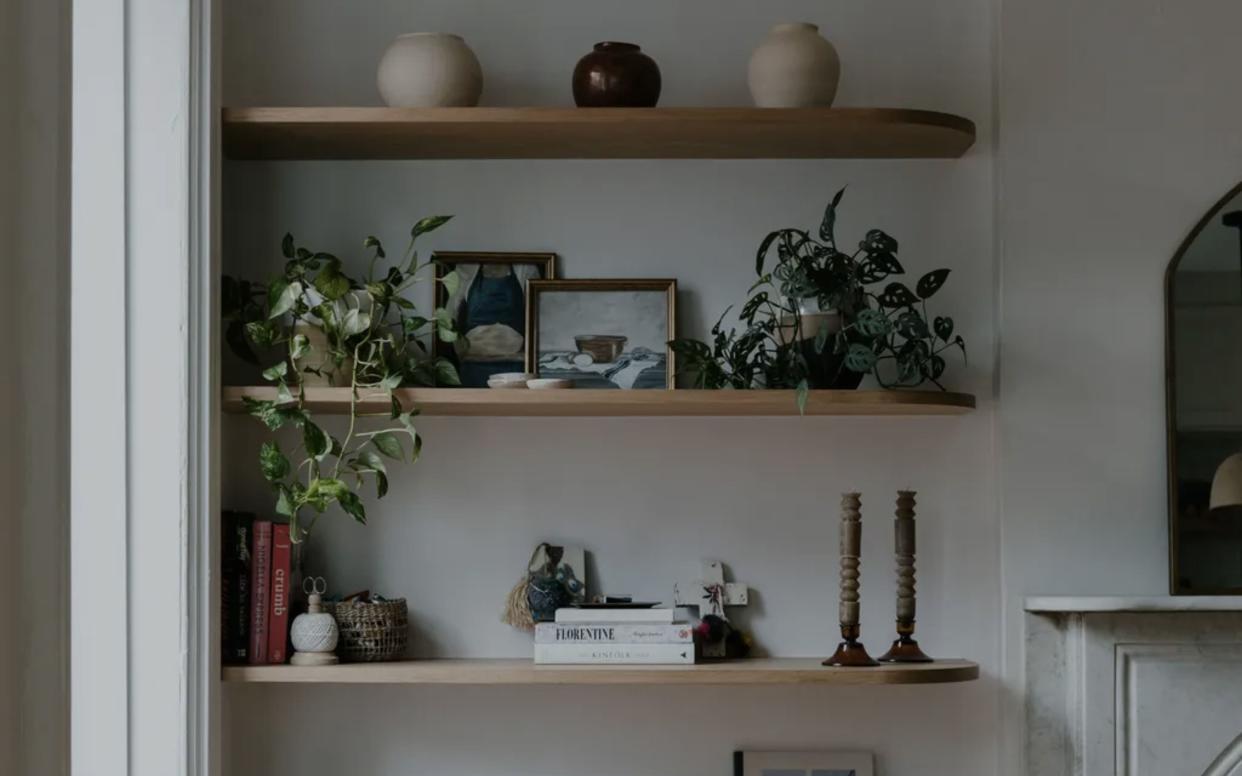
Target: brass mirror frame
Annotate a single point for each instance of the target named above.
(1170, 395)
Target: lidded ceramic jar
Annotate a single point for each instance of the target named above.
(794, 67)
(617, 75)
(430, 70)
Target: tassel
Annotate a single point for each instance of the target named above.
(517, 606)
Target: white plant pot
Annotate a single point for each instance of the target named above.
(794, 67)
(430, 70)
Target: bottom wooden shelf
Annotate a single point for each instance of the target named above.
(771, 671)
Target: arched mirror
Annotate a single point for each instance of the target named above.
(1203, 295)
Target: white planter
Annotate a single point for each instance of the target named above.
(430, 70)
(794, 67)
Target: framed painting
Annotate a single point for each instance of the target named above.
(803, 764)
(489, 310)
(602, 333)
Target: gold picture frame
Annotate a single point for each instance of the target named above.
(463, 261)
(595, 350)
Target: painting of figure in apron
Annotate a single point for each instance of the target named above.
(489, 310)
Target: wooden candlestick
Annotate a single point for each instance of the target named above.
(850, 652)
(905, 649)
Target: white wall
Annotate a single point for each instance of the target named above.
(33, 525)
(1119, 130)
(650, 497)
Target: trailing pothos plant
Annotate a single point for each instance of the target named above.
(314, 319)
(882, 331)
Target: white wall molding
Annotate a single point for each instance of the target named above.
(141, 490)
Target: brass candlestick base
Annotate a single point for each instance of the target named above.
(851, 651)
(905, 650)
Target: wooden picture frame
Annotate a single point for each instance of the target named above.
(448, 261)
(595, 346)
(803, 763)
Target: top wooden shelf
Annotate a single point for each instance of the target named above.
(594, 133)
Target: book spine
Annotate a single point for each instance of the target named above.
(235, 586)
(278, 611)
(260, 576)
(611, 633)
(614, 654)
(613, 616)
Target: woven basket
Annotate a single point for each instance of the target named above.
(371, 632)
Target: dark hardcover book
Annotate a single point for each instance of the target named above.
(236, 529)
(260, 595)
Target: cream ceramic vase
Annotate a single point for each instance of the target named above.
(430, 70)
(794, 67)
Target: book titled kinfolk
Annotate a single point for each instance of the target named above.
(596, 616)
(614, 654)
(612, 633)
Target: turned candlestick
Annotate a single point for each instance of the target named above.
(905, 649)
(850, 652)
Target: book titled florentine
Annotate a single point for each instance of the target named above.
(612, 633)
(278, 611)
(235, 540)
(260, 577)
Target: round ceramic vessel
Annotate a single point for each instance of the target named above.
(548, 384)
(617, 75)
(430, 70)
(794, 67)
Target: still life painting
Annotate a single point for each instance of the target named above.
(488, 309)
(603, 333)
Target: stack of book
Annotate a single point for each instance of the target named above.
(256, 558)
(614, 637)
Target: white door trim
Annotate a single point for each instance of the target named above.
(143, 388)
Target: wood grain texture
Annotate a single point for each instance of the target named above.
(771, 671)
(594, 133)
(617, 403)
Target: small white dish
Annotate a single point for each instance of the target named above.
(512, 377)
(506, 384)
(548, 384)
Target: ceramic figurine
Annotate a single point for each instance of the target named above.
(315, 633)
(430, 70)
(617, 75)
(794, 67)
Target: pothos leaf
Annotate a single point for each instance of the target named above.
(943, 327)
(352, 505)
(286, 246)
(299, 346)
(803, 394)
(316, 441)
(276, 371)
(282, 296)
(272, 462)
(388, 444)
(429, 224)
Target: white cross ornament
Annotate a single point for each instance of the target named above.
(710, 594)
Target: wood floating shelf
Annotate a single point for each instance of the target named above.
(774, 671)
(594, 133)
(484, 402)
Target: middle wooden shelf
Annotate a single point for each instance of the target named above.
(621, 403)
(760, 671)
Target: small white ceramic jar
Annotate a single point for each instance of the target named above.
(430, 70)
(794, 67)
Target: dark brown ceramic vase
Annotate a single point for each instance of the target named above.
(616, 75)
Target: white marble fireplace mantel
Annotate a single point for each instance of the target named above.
(1134, 686)
(1067, 604)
